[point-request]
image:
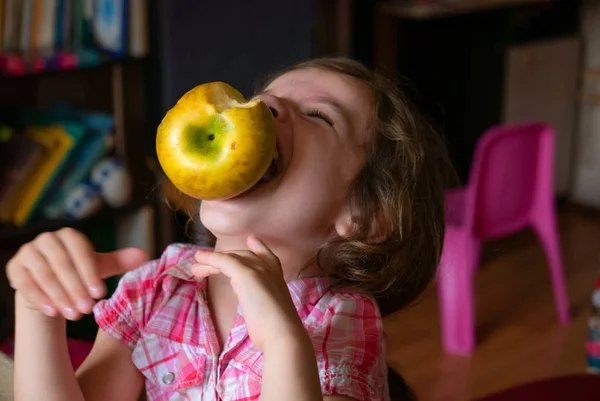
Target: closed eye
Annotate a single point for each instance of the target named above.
(321, 115)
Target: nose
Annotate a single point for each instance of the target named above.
(276, 105)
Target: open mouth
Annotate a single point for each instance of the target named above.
(273, 169)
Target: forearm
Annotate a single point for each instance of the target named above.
(290, 371)
(43, 368)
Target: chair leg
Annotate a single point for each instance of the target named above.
(456, 297)
(547, 232)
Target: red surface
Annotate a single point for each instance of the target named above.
(581, 387)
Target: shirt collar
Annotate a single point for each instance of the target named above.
(305, 292)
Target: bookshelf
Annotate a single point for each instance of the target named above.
(115, 88)
(89, 77)
(424, 10)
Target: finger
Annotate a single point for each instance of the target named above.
(13, 272)
(43, 276)
(56, 254)
(203, 271)
(262, 251)
(81, 252)
(34, 293)
(120, 262)
(242, 255)
(20, 280)
(228, 264)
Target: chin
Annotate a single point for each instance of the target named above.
(222, 221)
(241, 210)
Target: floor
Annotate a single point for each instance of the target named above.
(519, 339)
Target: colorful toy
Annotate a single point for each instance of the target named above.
(592, 346)
(83, 201)
(113, 181)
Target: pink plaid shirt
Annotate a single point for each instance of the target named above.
(160, 312)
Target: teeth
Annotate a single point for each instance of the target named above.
(276, 155)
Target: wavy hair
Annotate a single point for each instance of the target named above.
(400, 188)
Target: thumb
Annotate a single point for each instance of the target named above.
(120, 261)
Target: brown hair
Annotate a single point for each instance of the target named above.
(401, 187)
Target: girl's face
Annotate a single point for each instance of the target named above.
(322, 120)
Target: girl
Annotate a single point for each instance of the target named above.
(284, 306)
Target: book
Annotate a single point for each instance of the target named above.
(77, 134)
(57, 144)
(109, 25)
(1, 24)
(92, 147)
(63, 24)
(39, 35)
(36, 18)
(19, 158)
(138, 28)
(46, 28)
(27, 12)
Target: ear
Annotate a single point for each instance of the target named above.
(344, 225)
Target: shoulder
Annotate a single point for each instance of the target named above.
(142, 292)
(346, 329)
(155, 282)
(346, 312)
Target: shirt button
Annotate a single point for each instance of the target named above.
(168, 378)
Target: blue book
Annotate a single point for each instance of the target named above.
(109, 26)
(99, 128)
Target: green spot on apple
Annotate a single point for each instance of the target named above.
(205, 140)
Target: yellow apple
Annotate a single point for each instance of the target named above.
(213, 144)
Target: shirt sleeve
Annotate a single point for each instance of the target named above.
(122, 316)
(138, 294)
(351, 349)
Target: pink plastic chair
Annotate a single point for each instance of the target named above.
(510, 188)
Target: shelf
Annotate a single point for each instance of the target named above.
(34, 63)
(438, 9)
(13, 236)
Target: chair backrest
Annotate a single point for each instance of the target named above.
(512, 170)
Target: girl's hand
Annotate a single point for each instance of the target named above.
(257, 280)
(59, 272)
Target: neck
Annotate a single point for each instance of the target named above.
(296, 262)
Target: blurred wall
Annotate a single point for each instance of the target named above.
(236, 41)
